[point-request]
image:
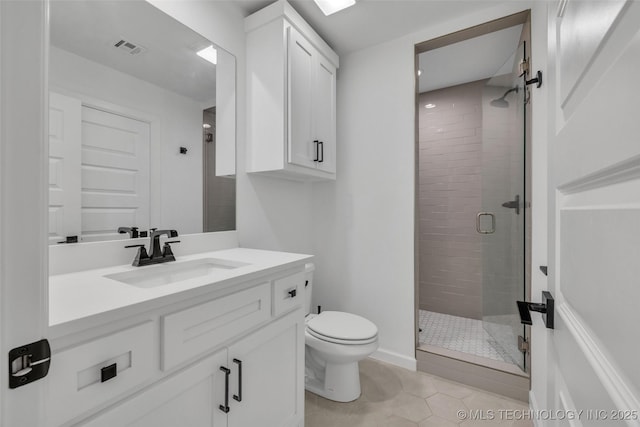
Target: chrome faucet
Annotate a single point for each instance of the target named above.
(157, 255)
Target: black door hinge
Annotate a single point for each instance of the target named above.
(29, 363)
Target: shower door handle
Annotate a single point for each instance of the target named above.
(493, 223)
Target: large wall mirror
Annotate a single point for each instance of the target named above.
(142, 123)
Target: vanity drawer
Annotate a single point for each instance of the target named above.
(288, 293)
(75, 375)
(191, 332)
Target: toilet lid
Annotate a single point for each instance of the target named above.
(342, 326)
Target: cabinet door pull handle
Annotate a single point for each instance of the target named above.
(238, 396)
(108, 372)
(317, 143)
(321, 144)
(292, 293)
(225, 408)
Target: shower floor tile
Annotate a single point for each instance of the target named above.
(464, 335)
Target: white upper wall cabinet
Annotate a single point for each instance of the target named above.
(291, 89)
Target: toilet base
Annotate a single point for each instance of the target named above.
(341, 382)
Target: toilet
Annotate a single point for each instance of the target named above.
(334, 344)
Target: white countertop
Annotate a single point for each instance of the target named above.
(79, 295)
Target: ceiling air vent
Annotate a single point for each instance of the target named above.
(128, 47)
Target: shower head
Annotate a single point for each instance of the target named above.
(502, 102)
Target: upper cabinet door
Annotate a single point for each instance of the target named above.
(291, 97)
(301, 145)
(324, 104)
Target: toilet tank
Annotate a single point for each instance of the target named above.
(308, 269)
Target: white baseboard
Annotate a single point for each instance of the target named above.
(395, 359)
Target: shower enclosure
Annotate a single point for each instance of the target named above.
(504, 200)
(472, 206)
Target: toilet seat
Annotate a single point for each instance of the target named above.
(342, 328)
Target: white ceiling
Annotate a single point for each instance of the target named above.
(469, 60)
(90, 29)
(370, 22)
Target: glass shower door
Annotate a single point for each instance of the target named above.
(502, 220)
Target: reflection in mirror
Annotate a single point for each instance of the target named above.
(142, 123)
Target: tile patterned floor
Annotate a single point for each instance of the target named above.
(396, 397)
(465, 335)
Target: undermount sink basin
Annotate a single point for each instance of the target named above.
(172, 272)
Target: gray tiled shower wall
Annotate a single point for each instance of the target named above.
(449, 197)
(221, 201)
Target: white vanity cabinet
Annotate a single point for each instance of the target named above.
(253, 382)
(231, 357)
(291, 89)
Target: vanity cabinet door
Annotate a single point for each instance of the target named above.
(272, 384)
(189, 398)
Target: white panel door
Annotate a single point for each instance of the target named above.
(115, 174)
(64, 167)
(594, 211)
(23, 201)
(325, 113)
(272, 363)
(301, 146)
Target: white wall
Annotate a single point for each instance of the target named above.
(175, 121)
(361, 227)
(271, 213)
(363, 223)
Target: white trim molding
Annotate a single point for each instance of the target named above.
(619, 391)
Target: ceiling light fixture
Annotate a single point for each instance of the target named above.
(430, 106)
(209, 54)
(329, 7)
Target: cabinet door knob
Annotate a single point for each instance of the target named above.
(292, 293)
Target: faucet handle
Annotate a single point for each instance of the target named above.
(141, 255)
(166, 250)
